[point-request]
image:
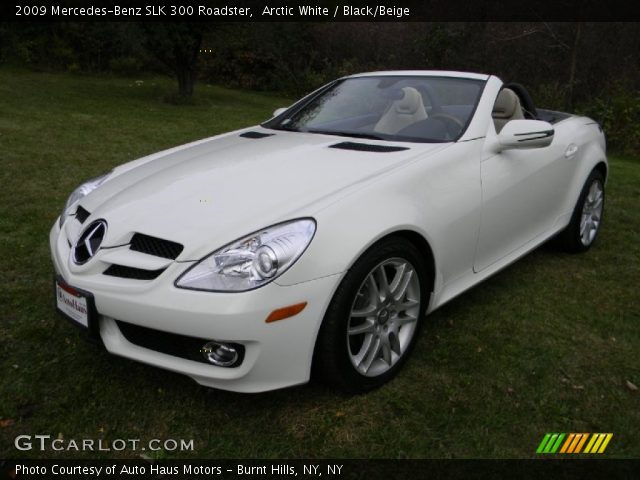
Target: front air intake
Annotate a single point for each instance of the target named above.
(133, 273)
(157, 247)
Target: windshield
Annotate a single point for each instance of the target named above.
(399, 108)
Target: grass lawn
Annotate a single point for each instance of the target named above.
(545, 346)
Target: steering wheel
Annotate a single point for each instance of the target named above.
(450, 120)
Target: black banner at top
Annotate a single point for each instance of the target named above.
(319, 10)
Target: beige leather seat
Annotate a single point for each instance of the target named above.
(402, 113)
(507, 107)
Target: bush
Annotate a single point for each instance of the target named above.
(127, 66)
(618, 111)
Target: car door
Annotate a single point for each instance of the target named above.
(522, 191)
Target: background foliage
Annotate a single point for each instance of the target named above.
(591, 68)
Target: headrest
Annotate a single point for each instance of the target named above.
(506, 104)
(410, 102)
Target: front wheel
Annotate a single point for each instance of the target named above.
(371, 323)
(587, 216)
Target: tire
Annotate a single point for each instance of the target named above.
(382, 327)
(586, 219)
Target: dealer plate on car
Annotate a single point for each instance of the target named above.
(72, 303)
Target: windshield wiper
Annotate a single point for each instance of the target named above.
(370, 136)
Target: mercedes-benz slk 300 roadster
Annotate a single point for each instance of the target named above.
(319, 240)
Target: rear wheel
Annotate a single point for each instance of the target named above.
(585, 223)
(370, 326)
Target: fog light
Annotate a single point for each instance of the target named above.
(220, 354)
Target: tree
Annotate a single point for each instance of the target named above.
(176, 46)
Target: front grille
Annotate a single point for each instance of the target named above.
(81, 214)
(155, 246)
(170, 343)
(123, 271)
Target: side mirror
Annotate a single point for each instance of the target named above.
(279, 111)
(521, 134)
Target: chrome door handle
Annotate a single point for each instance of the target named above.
(571, 150)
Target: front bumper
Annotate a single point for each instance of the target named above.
(276, 354)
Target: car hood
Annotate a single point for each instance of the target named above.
(206, 194)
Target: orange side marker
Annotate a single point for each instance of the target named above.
(285, 312)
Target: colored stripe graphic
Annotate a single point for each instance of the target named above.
(581, 442)
(605, 443)
(557, 444)
(573, 443)
(567, 443)
(543, 443)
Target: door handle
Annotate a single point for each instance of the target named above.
(571, 150)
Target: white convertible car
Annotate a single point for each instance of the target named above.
(318, 241)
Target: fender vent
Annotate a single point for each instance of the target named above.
(81, 214)
(155, 246)
(256, 135)
(123, 271)
(367, 147)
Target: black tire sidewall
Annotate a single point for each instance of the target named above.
(332, 360)
(571, 236)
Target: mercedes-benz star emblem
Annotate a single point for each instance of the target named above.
(89, 242)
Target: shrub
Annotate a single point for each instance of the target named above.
(618, 111)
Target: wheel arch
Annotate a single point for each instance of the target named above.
(423, 247)
(603, 168)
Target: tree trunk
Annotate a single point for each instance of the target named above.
(185, 81)
(572, 68)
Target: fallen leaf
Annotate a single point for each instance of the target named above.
(631, 386)
(6, 422)
(577, 387)
(340, 414)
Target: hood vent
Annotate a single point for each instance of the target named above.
(256, 135)
(367, 147)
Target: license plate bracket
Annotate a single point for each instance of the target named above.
(77, 306)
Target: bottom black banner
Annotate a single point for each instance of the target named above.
(326, 468)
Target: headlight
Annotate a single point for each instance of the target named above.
(252, 261)
(82, 191)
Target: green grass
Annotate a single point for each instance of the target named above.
(545, 346)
